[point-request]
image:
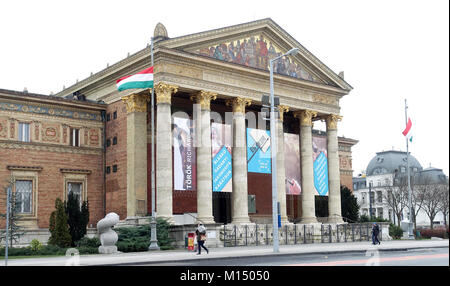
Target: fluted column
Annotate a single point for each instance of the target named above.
(164, 198)
(306, 157)
(136, 105)
(239, 152)
(334, 181)
(281, 171)
(204, 174)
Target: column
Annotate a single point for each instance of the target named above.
(334, 182)
(203, 143)
(306, 157)
(281, 172)
(164, 198)
(136, 105)
(239, 152)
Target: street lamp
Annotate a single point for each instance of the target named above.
(153, 236)
(274, 153)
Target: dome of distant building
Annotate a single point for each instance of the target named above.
(387, 162)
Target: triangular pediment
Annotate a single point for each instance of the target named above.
(253, 45)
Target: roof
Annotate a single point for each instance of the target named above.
(388, 162)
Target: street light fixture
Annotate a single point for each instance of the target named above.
(275, 207)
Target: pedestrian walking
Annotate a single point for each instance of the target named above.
(375, 232)
(201, 238)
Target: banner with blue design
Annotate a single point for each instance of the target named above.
(320, 165)
(258, 151)
(222, 172)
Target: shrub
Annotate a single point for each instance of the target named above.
(89, 242)
(439, 232)
(59, 229)
(35, 245)
(77, 217)
(395, 231)
(364, 218)
(133, 239)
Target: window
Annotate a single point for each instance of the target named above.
(108, 170)
(24, 132)
(115, 141)
(75, 188)
(363, 198)
(108, 142)
(372, 197)
(380, 212)
(114, 168)
(115, 115)
(402, 169)
(251, 204)
(24, 190)
(380, 196)
(74, 137)
(108, 116)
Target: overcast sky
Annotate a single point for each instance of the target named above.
(389, 50)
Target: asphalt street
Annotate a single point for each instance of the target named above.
(413, 257)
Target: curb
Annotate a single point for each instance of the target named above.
(265, 255)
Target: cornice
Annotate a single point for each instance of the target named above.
(37, 146)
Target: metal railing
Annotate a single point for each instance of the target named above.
(262, 234)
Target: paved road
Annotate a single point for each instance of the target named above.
(418, 257)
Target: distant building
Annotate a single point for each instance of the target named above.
(385, 172)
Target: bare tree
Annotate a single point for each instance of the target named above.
(443, 202)
(397, 200)
(431, 200)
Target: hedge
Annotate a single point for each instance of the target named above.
(436, 232)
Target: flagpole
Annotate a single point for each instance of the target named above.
(153, 236)
(410, 224)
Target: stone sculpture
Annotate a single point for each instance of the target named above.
(108, 237)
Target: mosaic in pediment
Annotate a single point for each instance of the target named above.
(256, 52)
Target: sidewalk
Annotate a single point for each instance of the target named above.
(228, 252)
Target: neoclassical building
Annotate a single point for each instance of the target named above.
(198, 78)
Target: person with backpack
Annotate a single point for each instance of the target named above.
(201, 238)
(375, 232)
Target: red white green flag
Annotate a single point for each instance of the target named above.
(407, 132)
(143, 79)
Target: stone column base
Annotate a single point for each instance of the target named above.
(205, 220)
(335, 219)
(241, 221)
(307, 220)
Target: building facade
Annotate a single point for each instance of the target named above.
(210, 84)
(387, 172)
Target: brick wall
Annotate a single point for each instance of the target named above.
(116, 182)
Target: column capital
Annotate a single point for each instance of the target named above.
(204, 99)
(136, 102)
(332, 121)
(164, 92)
(305, 116)
(238, 104)
(282, 109)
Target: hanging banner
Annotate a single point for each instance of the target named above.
(292, 163)
(258, 151)
(222, 172)
(320, 165)
(184, 156)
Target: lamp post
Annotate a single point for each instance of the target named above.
(153, 237)
(274, 153)
(370, 200)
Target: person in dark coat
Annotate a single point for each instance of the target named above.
(201, 238)
(375, 232)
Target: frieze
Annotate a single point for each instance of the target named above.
(50, 147)
(51, 132)
(3, 128)
(7, 106)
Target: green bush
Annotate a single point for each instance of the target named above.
(59, 229)
(89, 242)
(395, 231)
(45, 250)
(364, 218)
(135, 239)
(35, 245)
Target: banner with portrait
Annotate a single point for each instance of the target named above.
(320, 165)
(292, 164)
(222, 173)
(184, 156)
(258, 151)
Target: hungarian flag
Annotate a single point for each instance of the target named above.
(407, 132)
(143, 79)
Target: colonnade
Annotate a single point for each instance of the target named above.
(137, 158)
